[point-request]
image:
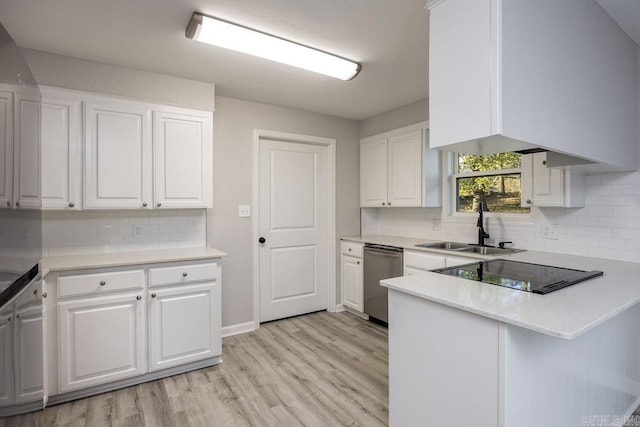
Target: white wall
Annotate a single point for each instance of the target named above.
(92, 232)
(234, 123)
(403, 116)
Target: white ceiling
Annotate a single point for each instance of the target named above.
(388, 37)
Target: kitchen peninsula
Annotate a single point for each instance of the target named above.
(468, 353)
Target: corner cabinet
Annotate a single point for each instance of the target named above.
(397, 169)
(115, 153)
(61, 150)
(351, 275)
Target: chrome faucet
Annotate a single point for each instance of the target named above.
(481, 233)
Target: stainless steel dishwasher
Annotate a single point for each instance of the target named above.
(380, 262)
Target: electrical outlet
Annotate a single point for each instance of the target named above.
(244, 211)
(136, 230)
(549, 232)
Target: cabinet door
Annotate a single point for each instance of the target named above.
(184, 324)
(61, 150)
(29, 358)
(183, 160)
(101, 340)
(26, 156)
(6, 149)
(6, 360)
(117, 155)
(352, 284)
(548, 183)
(405, 169)
(373, 173)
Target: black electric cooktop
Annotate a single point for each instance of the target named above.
(524, 276)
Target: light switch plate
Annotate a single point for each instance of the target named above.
(244, 211)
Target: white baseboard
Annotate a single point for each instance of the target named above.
(339, 308)
(240, 328)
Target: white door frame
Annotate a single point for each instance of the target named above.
(330, 143)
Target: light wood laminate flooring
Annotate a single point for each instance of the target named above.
(321, 369)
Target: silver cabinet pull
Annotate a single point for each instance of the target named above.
(158, 204)
(388, 203)
(138, 297)
(184, 274)
(44, 295)
(8, 203)
(349, 249)
(383, 203)
(528, 201)
(17, 203)
(153, 295)
(144, 204)
(358, 262)
(102, 283)
(71, 204)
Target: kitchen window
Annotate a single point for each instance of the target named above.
(494, 179)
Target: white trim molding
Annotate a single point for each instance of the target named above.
(240, 328)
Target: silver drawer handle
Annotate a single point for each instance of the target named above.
(153, 295)
(158, 204)
(144, 204)
(138, 297)
(102, 283)
(71, 204)
(184, 274)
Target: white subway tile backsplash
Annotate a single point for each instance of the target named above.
(90, 232)
(607, 227)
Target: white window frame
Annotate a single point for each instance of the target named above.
(452, 181)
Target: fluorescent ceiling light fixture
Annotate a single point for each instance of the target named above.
(241, 39)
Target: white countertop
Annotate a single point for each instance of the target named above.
(566, 313)
(75, 262)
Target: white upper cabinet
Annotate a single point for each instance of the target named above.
(519, 74)
(117, 155)
(546, 186)
(397, 169)
(61, 150)
(103, 152)
(26, 150)
(404, 180)
(182, 159)
(373, 172)
(6, 148)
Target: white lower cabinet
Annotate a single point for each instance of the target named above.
(29, 354)
(416, 262)
(123, 322)
(184, 324)
(101, 340)
(6, 364)
(351, 275)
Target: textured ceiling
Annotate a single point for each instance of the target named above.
(388, 37)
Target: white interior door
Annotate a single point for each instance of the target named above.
(293, 221)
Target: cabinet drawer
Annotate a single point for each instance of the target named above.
(182, 274)
(352, 248)
(423, 261)
(98, 283)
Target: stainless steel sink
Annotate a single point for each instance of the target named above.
(452, 246)
(487, 250)
(467, 247)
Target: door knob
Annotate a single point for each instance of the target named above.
(262, 240)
